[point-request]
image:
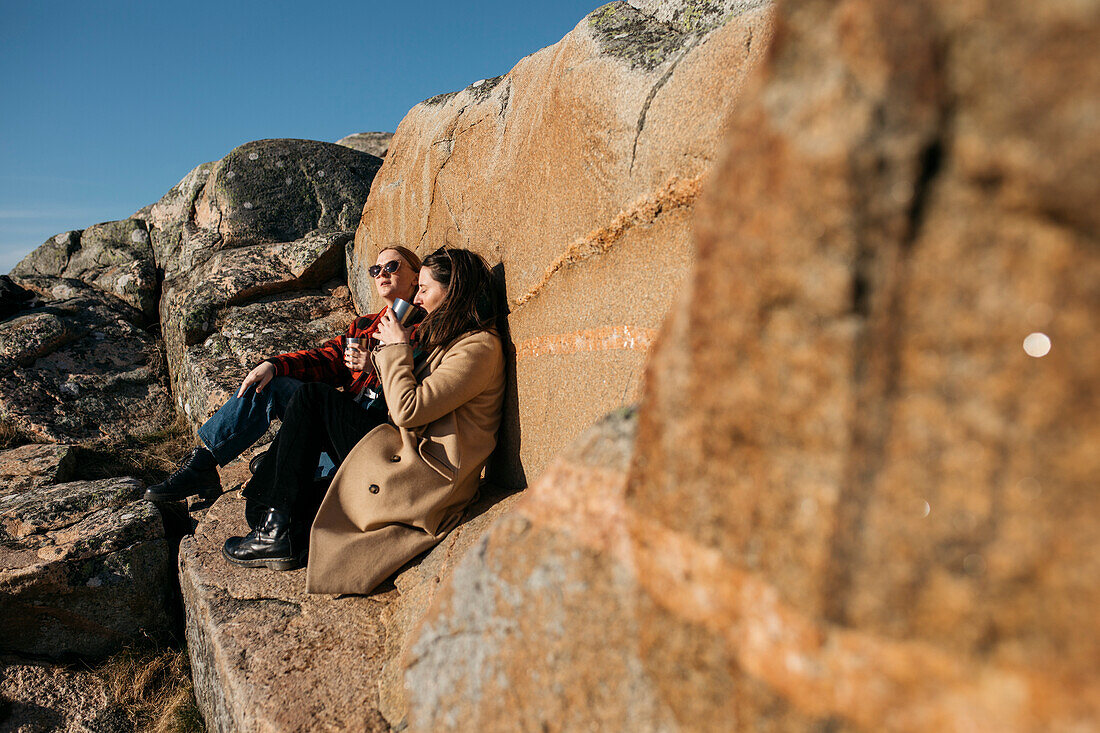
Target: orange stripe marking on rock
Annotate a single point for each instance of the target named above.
(594, 339)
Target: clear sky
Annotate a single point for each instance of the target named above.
(106, 105)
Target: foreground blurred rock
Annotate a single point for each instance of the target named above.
(533, 625)
(576, 172)
(81, 367)
(855, 502)
(83, 564)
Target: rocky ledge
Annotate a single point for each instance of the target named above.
(83, 564)
(257, 640)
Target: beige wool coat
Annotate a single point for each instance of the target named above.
(405, 485)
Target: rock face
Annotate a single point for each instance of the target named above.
(577, 174)
(855, 501)
(375, 143)
(81, 367)
(115, 257)
(237, 309)
(256, 639)
(83, 564)
(280, 190)
(234, 239)
(211, 370)
(39, 697)
(532, 622)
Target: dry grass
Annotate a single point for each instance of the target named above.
(12, 437)
(153, 687)
(149, 457)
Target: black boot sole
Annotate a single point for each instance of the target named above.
(272, 563)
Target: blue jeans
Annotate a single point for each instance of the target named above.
(241, 421)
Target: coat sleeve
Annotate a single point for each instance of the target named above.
(468, 368)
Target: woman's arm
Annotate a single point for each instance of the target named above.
(325, 363)
(470, 366)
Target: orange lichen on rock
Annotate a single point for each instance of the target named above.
(677, 193)
(592, 339)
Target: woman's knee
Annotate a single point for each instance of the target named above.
(308, 395)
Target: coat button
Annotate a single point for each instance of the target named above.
(395, 459)
(373, 488)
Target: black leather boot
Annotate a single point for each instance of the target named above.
(198, 474)
(269, 545)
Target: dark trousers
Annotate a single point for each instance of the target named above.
(318, 418)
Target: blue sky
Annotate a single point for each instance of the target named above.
(106, 105)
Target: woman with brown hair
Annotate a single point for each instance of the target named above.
(407, 482)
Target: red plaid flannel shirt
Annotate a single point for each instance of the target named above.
(326, 363)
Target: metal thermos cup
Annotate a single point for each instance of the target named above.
(406, 313)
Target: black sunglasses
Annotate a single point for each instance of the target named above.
(391, 267)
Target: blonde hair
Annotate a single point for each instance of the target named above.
(406, 254)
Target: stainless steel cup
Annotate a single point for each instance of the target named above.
(406, 313)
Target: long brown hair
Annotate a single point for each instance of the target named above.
(471, 303)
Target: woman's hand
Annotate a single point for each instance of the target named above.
(390, 331)
(357, 360)
(259, 376)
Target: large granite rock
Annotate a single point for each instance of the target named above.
(375, 143)
(540, 622)
(856, 501)
(576, 172)
(115, 257)
(211, 370)
(417, 585)
(270, 219)
(83, 564)
(81, 367)
(280, 190)
(266, 191)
